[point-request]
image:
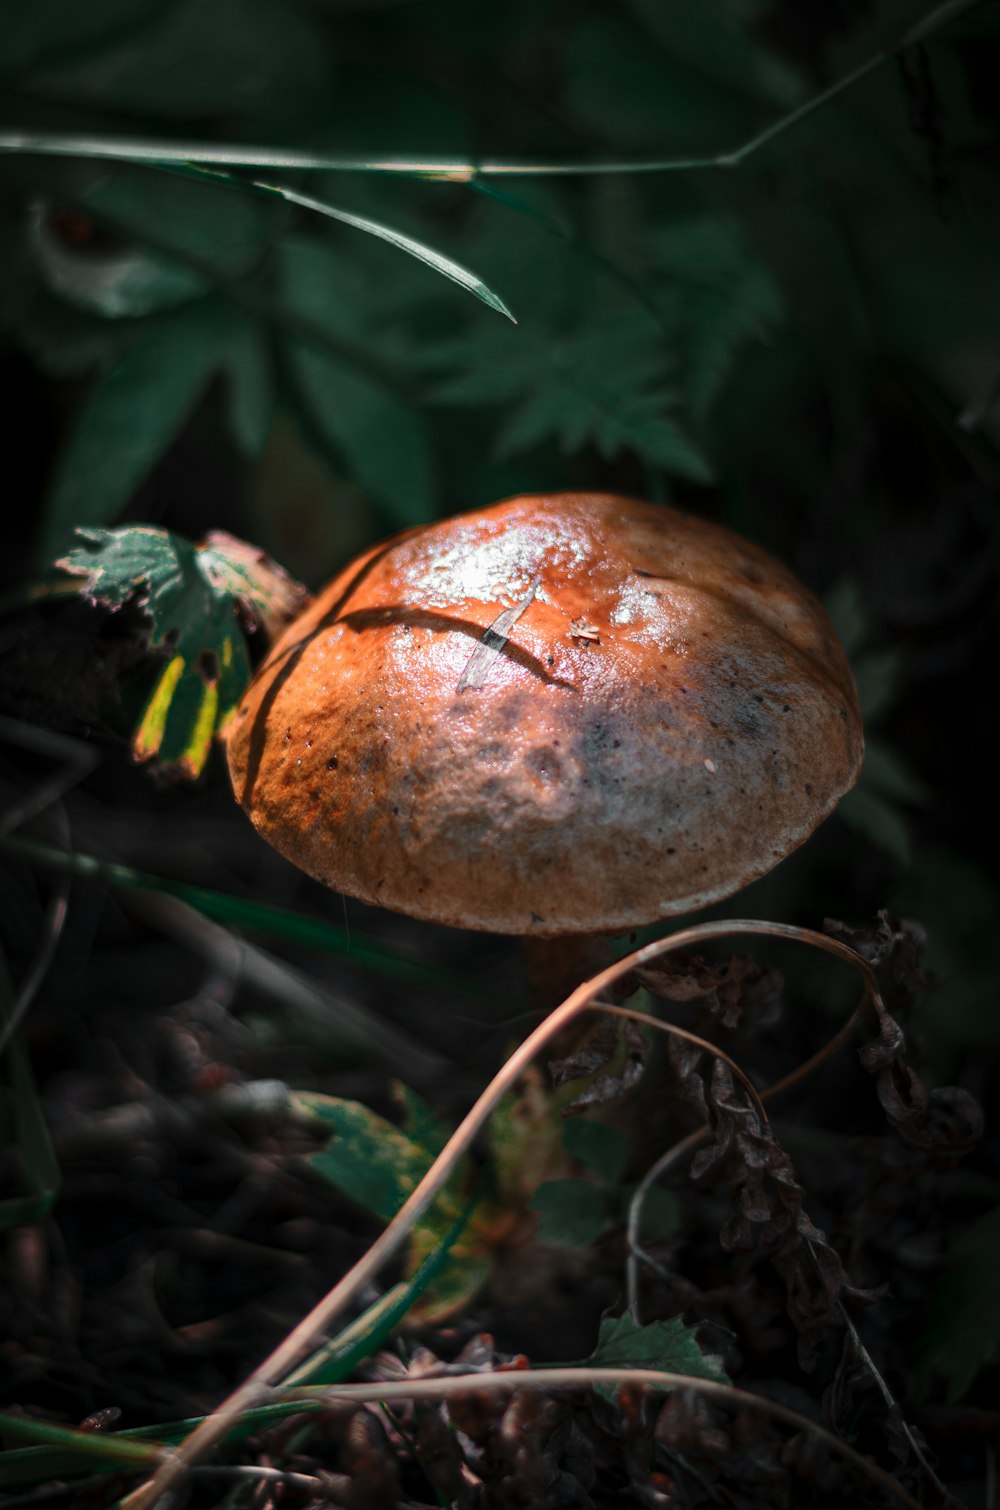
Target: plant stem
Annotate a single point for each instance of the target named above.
(243, 912)
(547, 1379)
(289, 1352)
(158, 152)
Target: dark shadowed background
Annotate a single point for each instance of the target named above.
(804, 346)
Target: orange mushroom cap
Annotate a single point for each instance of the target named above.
(659, 713)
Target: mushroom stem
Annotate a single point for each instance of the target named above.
(553, 967)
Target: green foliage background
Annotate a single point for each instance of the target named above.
(805, 346)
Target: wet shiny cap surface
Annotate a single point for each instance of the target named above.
(567, 712)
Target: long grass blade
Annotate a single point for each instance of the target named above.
(242, 912)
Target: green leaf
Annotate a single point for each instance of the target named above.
(250, 383)
(607, 384)
(384, 440)
(963, 1330)
(165, 238)
(191, 616)
(340, 1356)
(668, 1345)
(403, 243)
(572, 1213)
(421, 1122)
(377, 1165)
(725, 295)
(368, 1158)
(216, 227)
(601, 1149)
(131, 416)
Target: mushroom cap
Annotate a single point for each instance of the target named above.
(669, 715)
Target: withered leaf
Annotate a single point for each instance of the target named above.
(726, 992)
(945, 1120)
(873, 942)
(611, 1057)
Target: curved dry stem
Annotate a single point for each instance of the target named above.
(293, 1348)
(653, 1175)
(515, 1380)
(673, 1031)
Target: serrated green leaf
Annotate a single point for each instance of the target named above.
(601, 1149)
(130, 417)
(384, 440)
(191, 615)
(607, 384)
(725, 298)
(668, 1345)
(572, 1213)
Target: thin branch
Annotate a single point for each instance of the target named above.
(289, 1352)
(158, 152)
(543, 1379)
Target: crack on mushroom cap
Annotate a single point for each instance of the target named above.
(592, 785)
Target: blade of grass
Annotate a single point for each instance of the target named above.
(242, 912)
(446, 266)
(163, 152)
(108, 1447)
(72, 1454)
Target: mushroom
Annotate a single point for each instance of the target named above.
(566, 713)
